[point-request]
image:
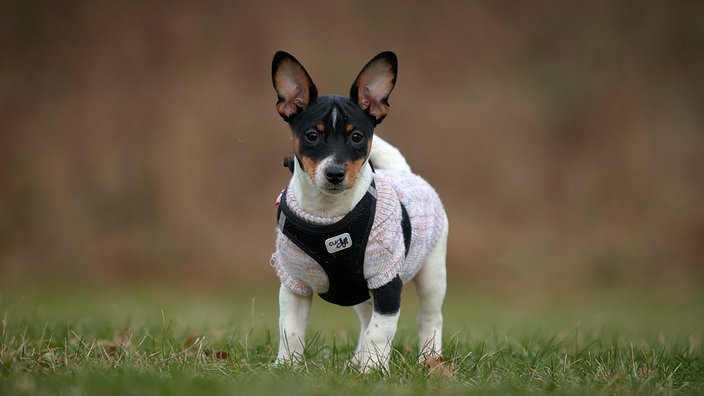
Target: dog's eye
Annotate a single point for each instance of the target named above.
(357, 137)
(312, 137)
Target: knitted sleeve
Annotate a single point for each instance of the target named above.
(385, 250)
(287, 251)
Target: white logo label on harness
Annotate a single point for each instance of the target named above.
(337, 243)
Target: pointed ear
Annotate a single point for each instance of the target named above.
(293, 85)
(374, 83)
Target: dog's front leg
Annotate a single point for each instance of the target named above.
(294, 311)
(374, 347)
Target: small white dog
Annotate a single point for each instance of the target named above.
(355, 224)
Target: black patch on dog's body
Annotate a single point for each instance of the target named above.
(387, 299)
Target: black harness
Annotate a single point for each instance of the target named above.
(339, 248)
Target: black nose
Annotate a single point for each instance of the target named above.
(335, 174)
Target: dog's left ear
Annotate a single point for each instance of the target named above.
(374, 83)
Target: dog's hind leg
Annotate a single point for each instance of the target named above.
(294, 311)
(431, 284)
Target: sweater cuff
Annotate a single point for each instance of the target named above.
(295, 285)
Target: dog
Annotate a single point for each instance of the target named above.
(355, 225)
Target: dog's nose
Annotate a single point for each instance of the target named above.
(335, 174)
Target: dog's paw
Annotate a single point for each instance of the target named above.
(366, 362)
(429, 350)
(288, 360)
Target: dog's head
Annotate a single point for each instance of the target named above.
(332, 135)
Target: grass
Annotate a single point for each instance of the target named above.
(151, 342)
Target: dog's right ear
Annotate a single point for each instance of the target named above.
(293, 85)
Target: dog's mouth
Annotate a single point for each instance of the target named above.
(333, 188)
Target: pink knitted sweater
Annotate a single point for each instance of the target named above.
(384, 256)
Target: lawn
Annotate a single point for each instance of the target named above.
(152, 341)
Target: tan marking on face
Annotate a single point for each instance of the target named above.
(353, 168)
(310, 166)
(320, 127)
(349, 128)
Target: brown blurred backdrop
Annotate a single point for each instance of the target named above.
(139, 140)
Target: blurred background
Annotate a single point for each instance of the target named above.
(139, 141)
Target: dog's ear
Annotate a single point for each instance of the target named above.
(293, 85)
(374, 83)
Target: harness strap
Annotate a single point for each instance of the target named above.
(339, 248)
(406, 228)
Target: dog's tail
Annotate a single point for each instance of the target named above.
(386, 156)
